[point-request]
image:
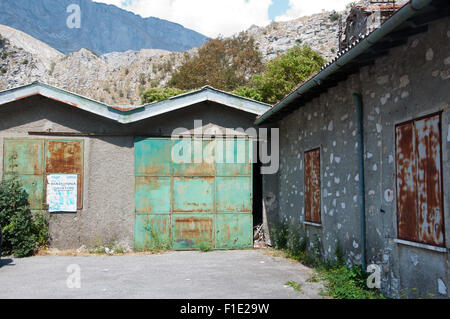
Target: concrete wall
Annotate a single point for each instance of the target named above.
(412, 81)
(108, 195)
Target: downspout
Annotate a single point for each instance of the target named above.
(362, 195)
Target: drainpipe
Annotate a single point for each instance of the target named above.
(362, 195)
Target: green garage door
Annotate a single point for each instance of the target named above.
(199, 202)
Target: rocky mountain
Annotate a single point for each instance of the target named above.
(118, 78)
(319, 31)
(103, 28)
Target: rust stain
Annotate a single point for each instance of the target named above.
(66, 157)
(312, 186)
(419, 183)
(406, 182)
(429, 181)
(26, 96)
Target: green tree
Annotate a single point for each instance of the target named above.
(224, 64)
(284, 73)
(249, 92)
(159, 94)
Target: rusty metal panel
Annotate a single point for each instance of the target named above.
(66, 157)
(234, 231)
(429, 184)
(236, 157)
(312, 186)
(192, 231)
(200, 161)
(153, 156)
(152, 232)
(419, 181)
(406, 182)
(34, 186)
(233, 194)
(23, 156)
(193, 194)
(152, 195)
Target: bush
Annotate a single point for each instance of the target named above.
(334, 16)
(248, 92)
(224, 64)
(23, 234)
(285, 73)
(159, 94)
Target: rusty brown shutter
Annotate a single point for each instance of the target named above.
(65, 157)
(312, 186)
(419, 181)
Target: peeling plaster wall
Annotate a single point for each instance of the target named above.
(410, 82)
(108, 194)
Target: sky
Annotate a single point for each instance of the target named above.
(226, 17)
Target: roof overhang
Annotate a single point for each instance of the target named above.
(124, 114)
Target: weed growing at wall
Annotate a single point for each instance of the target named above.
(340, 281)
(23, 233)
(155, 242)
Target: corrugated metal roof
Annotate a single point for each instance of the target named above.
(130, 114)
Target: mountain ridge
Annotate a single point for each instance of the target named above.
(119, 78)
(118, 30)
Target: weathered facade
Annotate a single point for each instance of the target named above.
(128, 188)
(404, 95)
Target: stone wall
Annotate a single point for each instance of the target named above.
(410, 82)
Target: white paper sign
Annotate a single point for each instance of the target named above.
(62, 193)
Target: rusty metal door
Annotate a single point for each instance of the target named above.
(419, 181)
(31, 160)
(199, 201)
(312, 187)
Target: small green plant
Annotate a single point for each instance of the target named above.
(155, 243)
(334, 16)
(24, 62)
(205, 247)
(313, 278)
(279, 235)
(4, 70)
(4, 55)
(297, 286)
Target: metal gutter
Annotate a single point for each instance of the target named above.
(405, 13)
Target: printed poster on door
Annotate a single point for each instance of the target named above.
(62, 193)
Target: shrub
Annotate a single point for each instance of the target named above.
(334, 16)
(224, 64)
(248, 92)
(23, 233)
(159, 94)
(279, 235)
(284, 73)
